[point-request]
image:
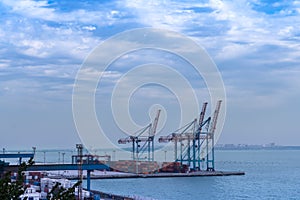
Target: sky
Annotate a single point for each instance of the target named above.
(254, 43)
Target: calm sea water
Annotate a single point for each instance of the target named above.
(272, 174)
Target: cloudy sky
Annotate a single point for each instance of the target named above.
(254, 43)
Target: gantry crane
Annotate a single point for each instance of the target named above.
(141, 141)
(189, 139)
(192, 139)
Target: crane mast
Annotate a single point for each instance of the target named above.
(210, 157)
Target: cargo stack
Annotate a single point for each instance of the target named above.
(131, 166)
(173, 167)
(35, 179)
(30, 178)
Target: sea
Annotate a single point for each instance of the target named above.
(269, 174)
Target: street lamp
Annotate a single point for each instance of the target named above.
(34, 149)
(114, 155)
(44, 157)
(165, 155)
(3, 153)
(63, 157)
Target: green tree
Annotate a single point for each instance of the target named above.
(12, 190)
(60, 193)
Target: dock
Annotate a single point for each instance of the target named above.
(108, 196)
(160, 175)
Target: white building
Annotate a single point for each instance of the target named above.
(31, 194)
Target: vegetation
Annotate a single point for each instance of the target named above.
(12, 190)
(58, 192)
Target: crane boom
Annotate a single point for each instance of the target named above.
(155, 123)
(125, 140)
(202, 114)
(215, 117)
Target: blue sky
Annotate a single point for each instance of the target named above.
(255, 44)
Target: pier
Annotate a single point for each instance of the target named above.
(61, 167)
(91, 167)
(163, 175)
(16, 155)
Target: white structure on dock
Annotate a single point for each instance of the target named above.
(31, 194)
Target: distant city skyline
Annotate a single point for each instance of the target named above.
(254, 43)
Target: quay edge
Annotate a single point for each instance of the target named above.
(163, 175)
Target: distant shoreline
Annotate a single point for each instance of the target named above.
(217, 147)
(256, 147)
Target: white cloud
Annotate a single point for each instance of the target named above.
(89, 28)
(286, 31)
(162, 14)
(41, 10)
(50, 71)
(4, 63)
(37, 9)
(243, 29)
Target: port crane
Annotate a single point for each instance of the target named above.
(193, 141)
(141, 141)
